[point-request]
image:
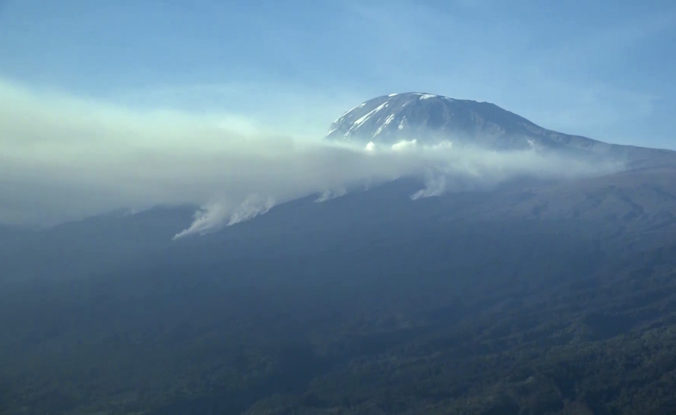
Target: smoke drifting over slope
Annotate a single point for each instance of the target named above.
(65, 158)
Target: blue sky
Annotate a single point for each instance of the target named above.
(604, 70)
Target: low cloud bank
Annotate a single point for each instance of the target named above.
(64, 158)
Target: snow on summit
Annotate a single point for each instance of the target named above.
(430, 119)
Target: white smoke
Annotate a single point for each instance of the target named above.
(214, 215)
(63, 158)
(331, 194)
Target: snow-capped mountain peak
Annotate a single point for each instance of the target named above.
(430, 118)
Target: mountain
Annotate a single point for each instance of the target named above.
(430, 118)
(537, 296)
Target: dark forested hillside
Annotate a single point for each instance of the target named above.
(530, 298)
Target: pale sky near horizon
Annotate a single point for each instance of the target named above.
(603, 70)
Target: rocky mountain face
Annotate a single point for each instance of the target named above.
(429, 119)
